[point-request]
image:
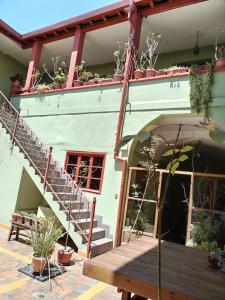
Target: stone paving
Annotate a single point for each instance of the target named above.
(70, 285)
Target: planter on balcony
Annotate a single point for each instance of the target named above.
(139, 74)
(220, 63)
(117, 77)
(150, 73)
(77, 83)
(160, 73)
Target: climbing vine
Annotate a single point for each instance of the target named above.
(201, 90)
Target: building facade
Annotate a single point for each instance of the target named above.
(84, 124)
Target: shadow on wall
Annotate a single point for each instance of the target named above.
(29, 197)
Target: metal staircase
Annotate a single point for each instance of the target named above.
(79, 211)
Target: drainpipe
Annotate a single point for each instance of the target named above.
(135, 29)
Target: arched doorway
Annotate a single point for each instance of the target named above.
(197, 189)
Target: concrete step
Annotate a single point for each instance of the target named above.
(27, 141)
(38, 157)
(56, 180)
(84, 224)
(100, 246)
(97, 234)
(79, 214)
(66, 197)
(42, 164)
(71, 204)
(60, 188)
(27, 146)
(36, 153)
(51, 173)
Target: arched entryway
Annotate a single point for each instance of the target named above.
(196, 192)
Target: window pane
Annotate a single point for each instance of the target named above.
(98, 161)
(71, 170)
(83, 171)
(82, 182)
(146, 218)
(96, 172)
(85, 161)
(72, 159)
(95, 184)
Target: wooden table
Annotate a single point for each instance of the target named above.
(133, 268)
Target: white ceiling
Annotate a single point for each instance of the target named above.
(178, 29)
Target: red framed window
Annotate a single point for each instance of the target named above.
(86, 169)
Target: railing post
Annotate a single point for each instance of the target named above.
(47, 166)
(91, 226)
(15, 124)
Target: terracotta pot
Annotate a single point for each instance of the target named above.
(38, 264)
(175, 71)
(105, 81)
(139, 74)
(92, 81)
(77, 83)
(57, 86)
(117, 77)
(150, 73)
(183, 70)
(20, 219)
(14, 217)
(64, 257)
(160, 73)
(63, 85)
(220, 63)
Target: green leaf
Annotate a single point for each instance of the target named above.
(183, 157)
(171, 163)
(174, 167)
(186, 148)
(217, 136)
(170, 152)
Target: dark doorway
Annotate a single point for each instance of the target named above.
(175, 211)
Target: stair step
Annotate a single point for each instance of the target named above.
(84, 223)
(42, 164)
(60, 188)
(97, 234)
(27, 146)
(56, 180)
(72, 204)
(66, 197)
(100, 246)
(79, 214)
(51, 172)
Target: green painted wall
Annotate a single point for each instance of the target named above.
(9, 67)
(86, 120)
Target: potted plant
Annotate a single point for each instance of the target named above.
(95, 79)
(151, 54)
(43, 238)
(65, 253)
(139, 65)
(219, 52)
(36, 79)
(17, 217)
(120, 59)
(85, 77)
(58, 75)
(78, 70)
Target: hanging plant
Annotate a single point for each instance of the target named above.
(201, 94)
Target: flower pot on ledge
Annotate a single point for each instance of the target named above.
(150, 73)
(139, 74)
(65, 255)
(117, 77)
(220, 63)
(77, 83)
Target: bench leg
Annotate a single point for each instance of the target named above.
(17, 233)
(126, 295)
(10, 232)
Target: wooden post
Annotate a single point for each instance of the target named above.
(47, 166)
(15, 124)
(91, 226)
(33, 64)
(76, 55)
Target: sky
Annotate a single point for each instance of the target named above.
(27, 15)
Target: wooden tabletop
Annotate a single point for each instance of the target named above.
(133, 267)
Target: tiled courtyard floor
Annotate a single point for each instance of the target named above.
(70, 285)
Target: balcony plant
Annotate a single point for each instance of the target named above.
(58, 75)
(139, 65)
(43, 238)
(78, 70)
(86, 76)
(36, 79)
(120, 59)
(151, 54)
(219, 51)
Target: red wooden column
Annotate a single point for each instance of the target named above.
(34, 63)
(76, 55)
